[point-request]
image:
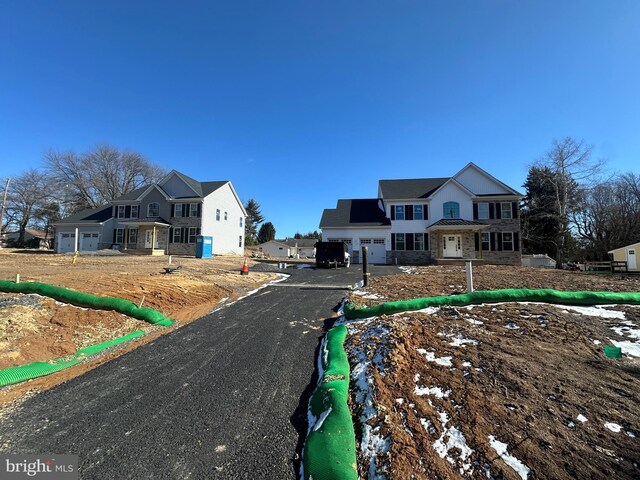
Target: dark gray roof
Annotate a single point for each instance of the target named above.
(134, 194)
(456, 222)
(301, 242)
(90, 215)
(360, 212)
(410, 188)
(201, 189)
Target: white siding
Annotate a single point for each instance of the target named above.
(225, 233)
(479, 183)
(408, 226)
(275, 249)
(450, 193)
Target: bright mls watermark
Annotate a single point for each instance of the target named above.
(49, 467)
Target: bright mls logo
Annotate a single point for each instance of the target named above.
(50, 467)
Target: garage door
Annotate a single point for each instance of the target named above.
(89, 242)
(67, 242)
(377, 251)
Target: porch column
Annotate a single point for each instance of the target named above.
(126, 236)
(153, 238)
(75, 243)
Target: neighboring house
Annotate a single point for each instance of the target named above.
(32, 238)
(629, 254)
(538, 261)
(162, 218)
(289, 247)
(471, 215)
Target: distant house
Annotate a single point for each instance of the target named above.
(629, 254)
(289, 247)
(162, 218)
(32, 238)
(471, 215)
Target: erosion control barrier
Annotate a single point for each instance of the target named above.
(495, 296)
(86, 300)
(12, 375)
(330, 450)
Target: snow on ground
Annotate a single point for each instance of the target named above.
(614, 427)
(409, 270)
(501, 449)
(431, 357)
(595, 311)
(581, 418)
(460, 341)
(363, 294)
(626, 329)
(454, 441)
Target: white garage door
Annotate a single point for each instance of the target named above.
(89, 242)
(67, 242)
(377, 251)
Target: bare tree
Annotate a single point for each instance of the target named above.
(573, 170)
(94, 178)
(29, 193)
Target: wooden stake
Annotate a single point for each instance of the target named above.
(17, 278)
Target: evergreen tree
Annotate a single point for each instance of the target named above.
(254, 218)
(267, 232)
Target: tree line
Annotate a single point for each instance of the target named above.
(573, 210)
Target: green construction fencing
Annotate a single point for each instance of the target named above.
(351, 312)
(12, 375)
(86, 300)
(330, 449)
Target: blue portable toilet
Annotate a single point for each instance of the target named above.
(204, 246)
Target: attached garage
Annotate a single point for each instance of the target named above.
(376, 249)
(89, 241)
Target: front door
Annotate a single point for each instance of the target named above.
(452, 246)
(148, 239)
(631, 259)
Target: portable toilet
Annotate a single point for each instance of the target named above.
(204, 246)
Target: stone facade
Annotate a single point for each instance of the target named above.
(410, 257)
(467, 243)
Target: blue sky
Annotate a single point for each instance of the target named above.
(300, 103)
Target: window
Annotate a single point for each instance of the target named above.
(134, 211)
(483, 211)
(400, 245)
(225, 216)
(507, 241)
(193, 231)
(365, 241)
(485, 241)
(418, 212)
(451, 210)
(153, 210)
(218, 214)
(193, 209)
(241, 222)
(418, 241)
(177, 210)
(399, 212)
(133, 236)
(240, 241)
(505, 210)
(119, 235)
(378, 241)
(120, 213)
(176, 235)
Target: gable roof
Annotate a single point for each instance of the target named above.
(300, 242)
(489, 176)
(200, 189)
(410, 187)
(357, 212)
(90, 215)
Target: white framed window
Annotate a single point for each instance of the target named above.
(176, 235)
(507, 241)
(451, 210)
(378, 241)
(418, 241)
(400, 241)
(365, 241)
(119, 235)
(193, 231)
(399, 212)
(134, 211)
(241, 222)
(193, 209)
(418, 212)
(486, 244)
(218, 214)
(153, 210)
(120, 212)
(240, 241)
(505, 210)
(483, 211)
(133, 235)
(177, 210)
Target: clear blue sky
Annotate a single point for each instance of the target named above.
(300, 103)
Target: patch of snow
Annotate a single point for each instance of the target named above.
(409, 270)
(501, 449)
(429, 310)
(400, 401)
(444, 361)
(614, 427)
(597, 342)
(358, 284)
(434, 391)
(428, 426)
(581, 418)
(467, 364)
(473, 321)
(511, 326)
(455, 440)
(630, 348)
(627, 331)
(630, 434)
(570, 424)
(460, 341)
(595, 311)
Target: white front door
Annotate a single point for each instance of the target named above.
(452, 246)
(631, 259)
(148, 239)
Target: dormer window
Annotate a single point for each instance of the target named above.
(451, 210)
(153, 210)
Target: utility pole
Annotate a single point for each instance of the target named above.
(4, 204)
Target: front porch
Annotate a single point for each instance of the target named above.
(146, 237)
(453, 241)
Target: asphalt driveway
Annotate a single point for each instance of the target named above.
(222, 397)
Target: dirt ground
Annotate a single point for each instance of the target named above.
(496, 391)
(34, 328)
